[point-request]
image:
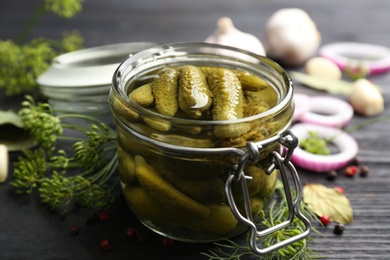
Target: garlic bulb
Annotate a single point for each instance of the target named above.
(3, 163)
(226, 34)
(292, 36)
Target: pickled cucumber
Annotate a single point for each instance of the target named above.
(258, 177)
(254, 185)
(126, 166)
(232, 130)
(249, 82)
(198, 167)
(220, 220)
(203, 190)
(256, 204)
(164, 89)
(254, 104)
(228, 98)
(144, 205)
(143, 95)
(194, 94)
(158, 125)
(165, 193)
(182, 140)
(122, 109)
(268, 188)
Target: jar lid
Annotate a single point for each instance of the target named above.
(91, 67)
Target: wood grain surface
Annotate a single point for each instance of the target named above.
(28, 230)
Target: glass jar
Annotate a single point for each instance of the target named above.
(180, 175)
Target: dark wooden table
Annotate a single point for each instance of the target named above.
(28, 230)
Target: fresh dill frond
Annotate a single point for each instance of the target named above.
(82, 177)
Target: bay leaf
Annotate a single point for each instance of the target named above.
(12, 133)
(10, 117)
(323, 200)
(332, 86)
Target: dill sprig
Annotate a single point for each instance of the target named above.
(22, 60)
(277, 213)
(66, 9)
(315, 144)
(60, 179)
(22, 64)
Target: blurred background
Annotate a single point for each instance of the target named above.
(104, 22)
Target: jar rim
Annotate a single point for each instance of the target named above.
(144, 58)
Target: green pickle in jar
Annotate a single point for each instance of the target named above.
(178, 192)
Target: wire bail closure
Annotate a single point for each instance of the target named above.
(288, 140)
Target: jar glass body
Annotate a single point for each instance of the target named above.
(173, 169)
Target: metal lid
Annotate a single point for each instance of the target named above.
(91, 67)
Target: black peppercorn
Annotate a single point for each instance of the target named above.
(91, 218)
(356, 161)
(332, 175)
(364, 170)
(339, 229)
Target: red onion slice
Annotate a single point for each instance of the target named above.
(375, 58)
(347, 145)
(328, 111)
(302, 105)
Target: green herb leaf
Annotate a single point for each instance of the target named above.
(332, 86)
(12, 133)
(323, 200)
(10, 117)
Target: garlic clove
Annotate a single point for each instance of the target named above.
(322, 67)
(291, 36)
(365, 98)
(226, 34)
(3, 163)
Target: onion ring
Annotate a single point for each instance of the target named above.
(346, 144)
(374, 58)
(302, 105)
(328, 111)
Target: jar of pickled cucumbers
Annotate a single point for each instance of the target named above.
(201, 132)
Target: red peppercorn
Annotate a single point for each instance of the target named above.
(325, 219)
(340, 189)
(132, 232)
(168, 242)
(75, 230)
(105, 245)
(351, 170)
(102, 216)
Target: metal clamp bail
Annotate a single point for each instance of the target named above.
(283, 164)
